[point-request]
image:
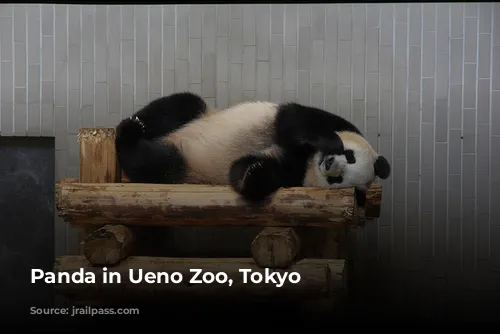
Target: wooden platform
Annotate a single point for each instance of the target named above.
(294, 220)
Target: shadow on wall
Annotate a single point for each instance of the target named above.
(27, 176)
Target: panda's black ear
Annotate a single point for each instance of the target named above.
(382, 167)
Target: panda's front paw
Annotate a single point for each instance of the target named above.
(255, 178)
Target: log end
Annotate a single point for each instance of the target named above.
(275, 247)
(108, 245)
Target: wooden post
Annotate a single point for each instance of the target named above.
(98, 163)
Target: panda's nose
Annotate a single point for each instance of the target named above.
(329, 161)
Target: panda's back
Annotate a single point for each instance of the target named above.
(211, 143)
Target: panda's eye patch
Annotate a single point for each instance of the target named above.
(329, 161)
(349, 155)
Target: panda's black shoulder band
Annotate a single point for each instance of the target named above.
(299, 125)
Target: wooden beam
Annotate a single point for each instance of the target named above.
(318, 279)
(183, 205)
(108, 245)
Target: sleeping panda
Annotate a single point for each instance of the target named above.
(255, 147)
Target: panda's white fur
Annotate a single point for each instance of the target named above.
(212, 142)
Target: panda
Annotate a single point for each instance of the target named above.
(255, 147)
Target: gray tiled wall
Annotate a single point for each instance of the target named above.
(422, 81)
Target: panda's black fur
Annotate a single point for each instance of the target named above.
(174, 138)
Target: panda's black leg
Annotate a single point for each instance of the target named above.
(298, 125)
(255, 177)
(361, 203)
(150, 162)
(169, 113)
(360, 197)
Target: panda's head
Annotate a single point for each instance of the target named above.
(357, 167)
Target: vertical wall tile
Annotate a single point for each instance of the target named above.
(169, 48)
(88, 26)
(208, 75)
(195, 14)
(495, 117)
(496, 24)
(305, 48)
(100, 42)
(235, 83)
(276, 62)
(249, 21)
(495, 68)
(345, 22)
(470, 39)
(155, 58)
(182, 37)
(318, 21)
(222, 95)
(209, 30)
(195, 57)
(236, 40)
(222, 20)
(317, 62)
(249, 67)
(263, 32)
(484, 17)
(291, 29)
(456, 20)
(222, 59)
(330, 58)
(344, 63)
(455, 116)
(456, 61)
(262, 81)
(33, 72)
(290, 68)
(484, 56)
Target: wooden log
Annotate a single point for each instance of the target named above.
(276, 247)
(108, 245)
(318, 279)
(98, 163)
(294, 195)
(202, 205)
